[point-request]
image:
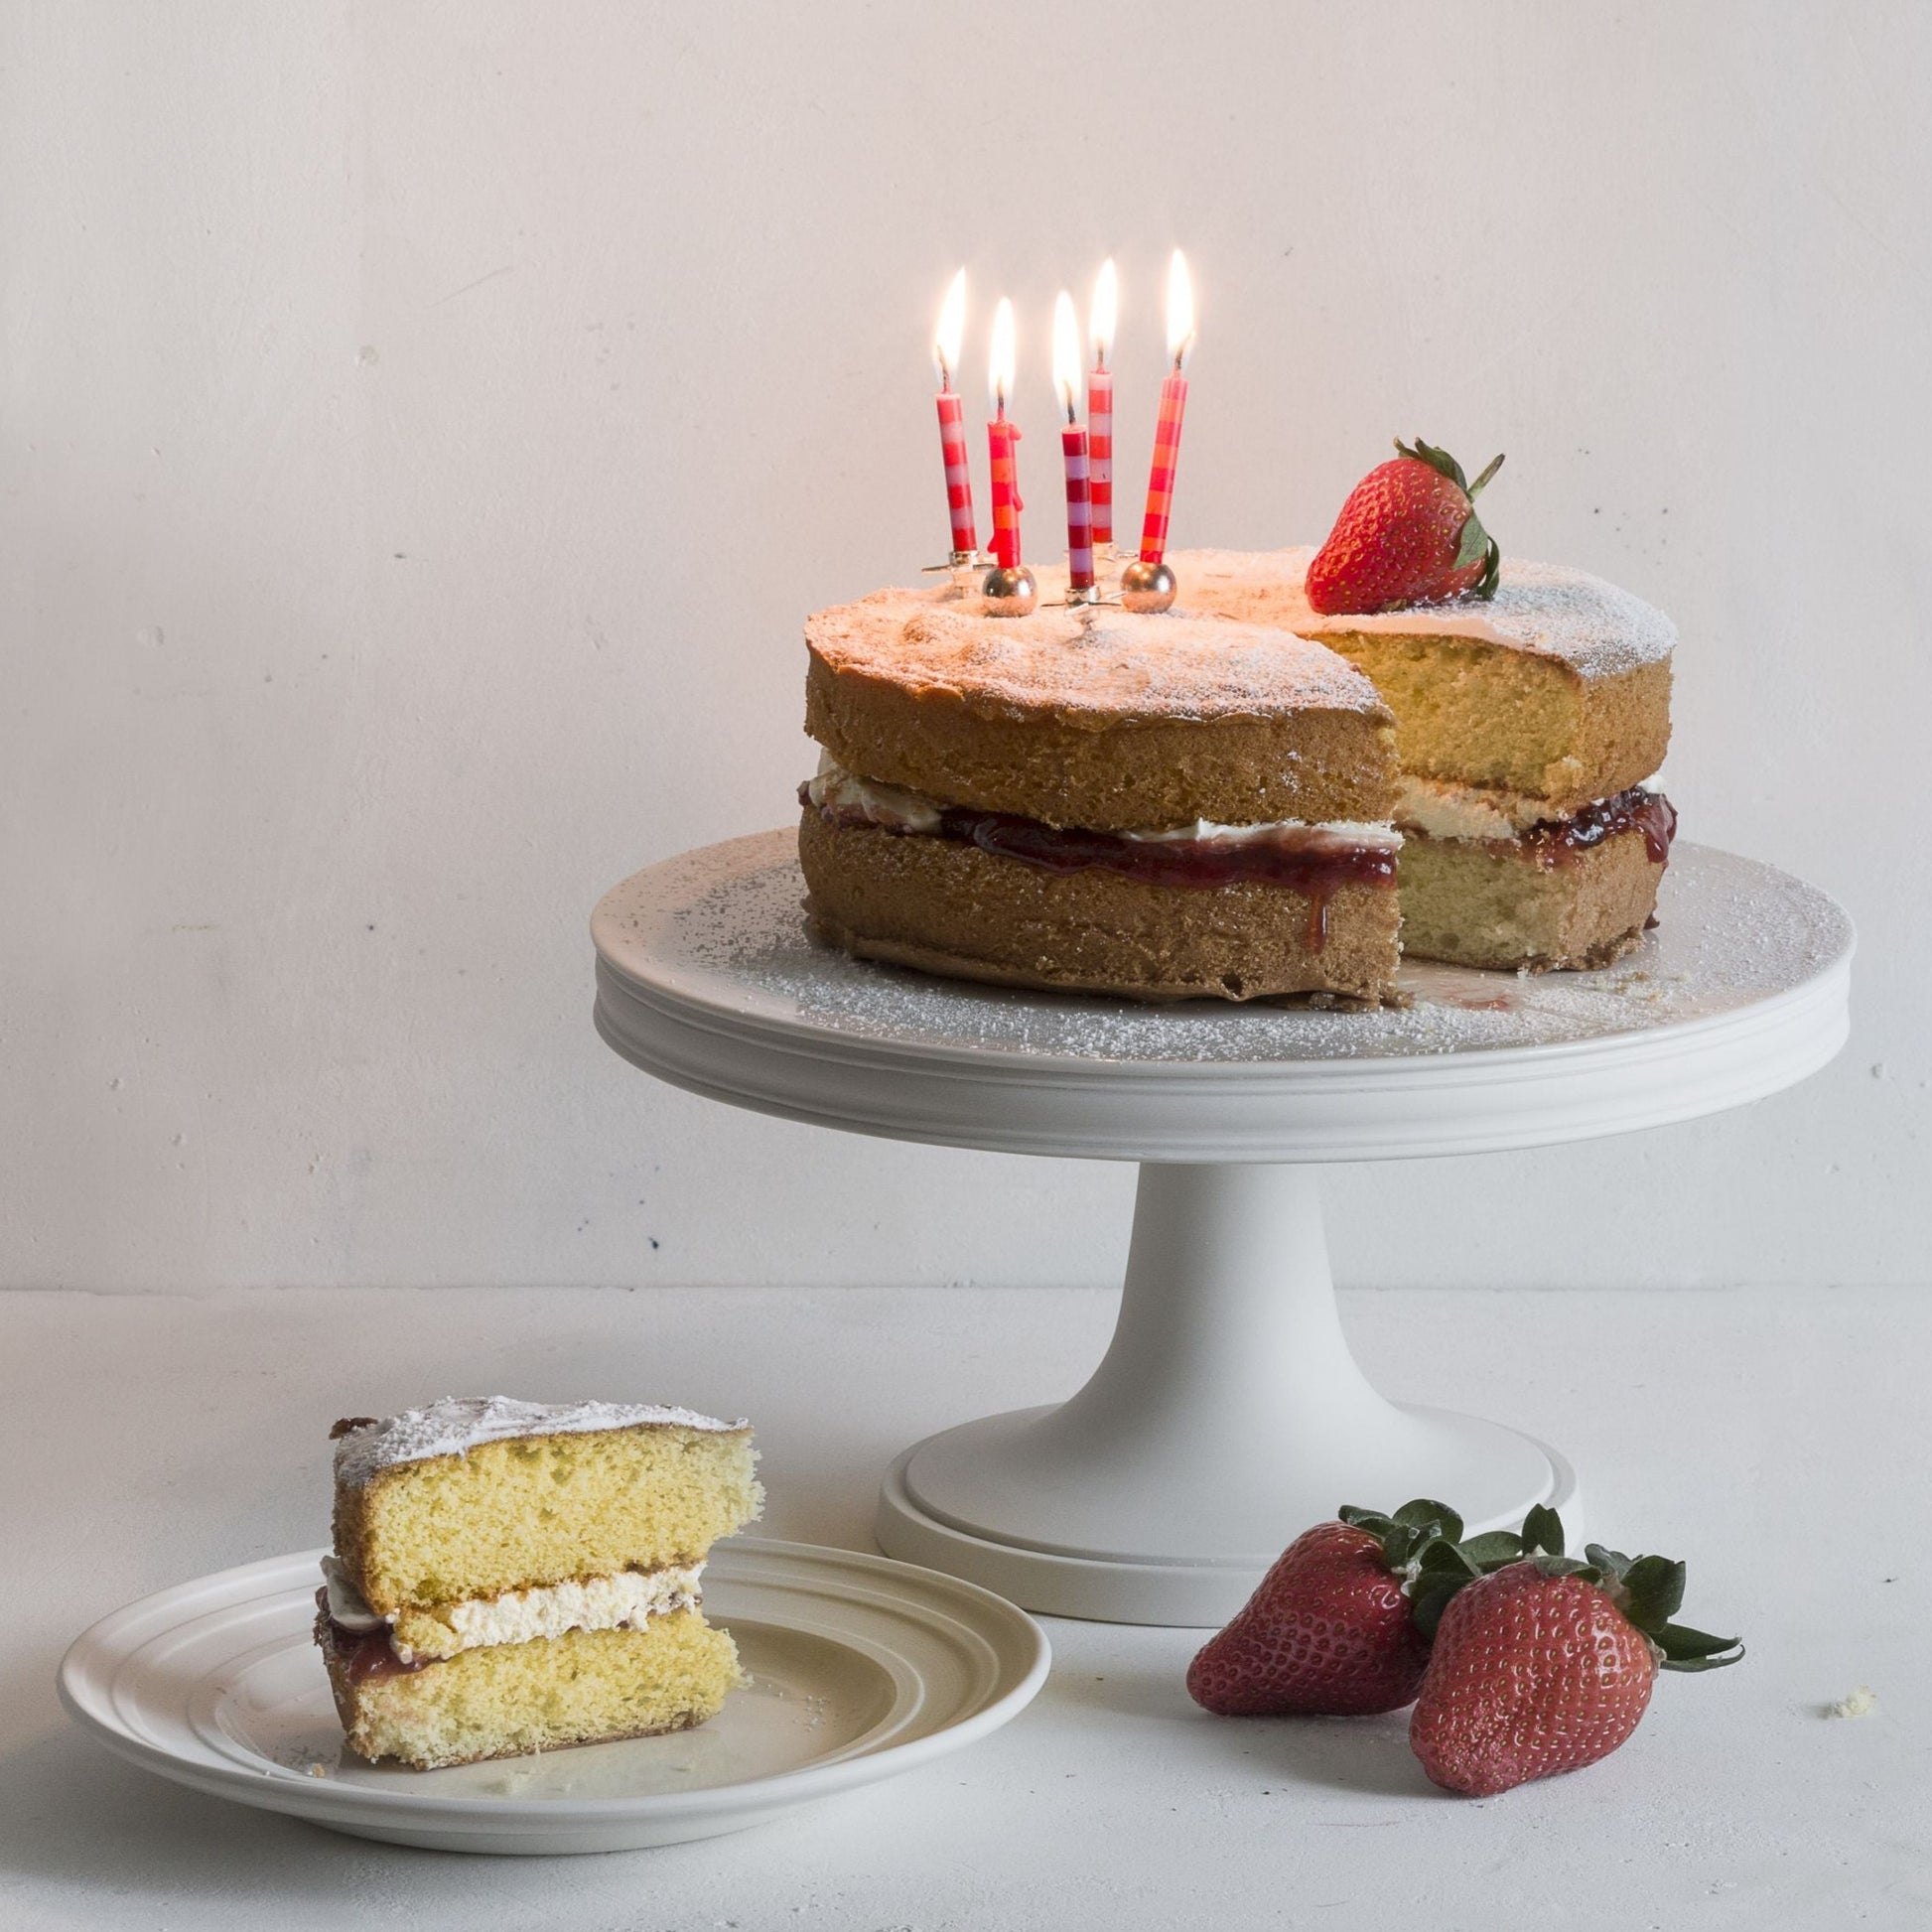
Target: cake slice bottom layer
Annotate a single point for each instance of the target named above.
(1505, 903)
(952, 908)
(504, 1700)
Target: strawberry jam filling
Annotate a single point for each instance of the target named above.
(365, 1655)
(1561, 842)
(1308, 859)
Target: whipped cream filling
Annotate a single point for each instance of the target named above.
(612, 1603)
(898, 809)
(1444, 810)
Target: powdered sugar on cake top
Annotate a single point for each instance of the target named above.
(455, 1425)
(1107, 665)
(1594, 628)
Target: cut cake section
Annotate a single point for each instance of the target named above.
(513, 1577)
(1556, 689)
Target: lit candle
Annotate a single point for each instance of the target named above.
(1173, 401)
(1074, 447)
(952, 422)
(1001, 436)
(1100, 401)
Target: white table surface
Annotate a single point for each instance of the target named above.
(150, 1439)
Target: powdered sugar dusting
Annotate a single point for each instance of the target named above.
(455, 1425)
(1106, 665)
(1597, 628)
(722, 925)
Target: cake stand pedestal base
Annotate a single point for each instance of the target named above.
(1226, 1416)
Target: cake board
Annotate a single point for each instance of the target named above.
(1227, 1414)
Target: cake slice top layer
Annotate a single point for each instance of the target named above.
(514, 1496)
(1547, 610)
(1103, 667)
(1100, 719)
(454, 1425)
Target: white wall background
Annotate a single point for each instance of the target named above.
(427, 425)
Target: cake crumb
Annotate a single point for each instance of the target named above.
(1861, 1704)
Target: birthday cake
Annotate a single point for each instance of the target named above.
(1243, 776)
(1162, 807)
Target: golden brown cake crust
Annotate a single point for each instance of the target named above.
(1560, 689)
(1110, 721)
(948, 907)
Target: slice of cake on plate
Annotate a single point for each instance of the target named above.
(1163, 806)
(511, 1576)
(1527, 725)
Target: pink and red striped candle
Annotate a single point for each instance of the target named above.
(1174, 404)
(952, 419)
(1100, 403)
(959, 476)
(1080, 510)
(1073, 449)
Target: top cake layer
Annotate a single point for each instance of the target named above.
(1099, 719)
(455, 1425)
(1557, 691)
(1545, 609)
(470, 1499)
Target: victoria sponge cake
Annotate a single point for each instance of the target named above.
(1163, 806)
(510, 1577)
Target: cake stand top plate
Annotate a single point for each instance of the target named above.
(708, 978)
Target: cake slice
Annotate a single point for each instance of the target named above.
(1526, 725)
(513, 1577)
(1165, 808)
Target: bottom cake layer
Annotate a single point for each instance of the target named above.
(585, 1687)
(1506, 902)
(947, 906)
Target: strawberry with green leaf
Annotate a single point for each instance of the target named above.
(1547, 1663)
(1408, 534)
(1333, 1627)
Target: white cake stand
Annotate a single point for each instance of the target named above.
(1227, 1414)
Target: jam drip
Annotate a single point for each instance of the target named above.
(1560, 841)
(365, 1655)
(1306, 859)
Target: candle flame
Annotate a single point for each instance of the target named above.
(952, 330)
(1180, 310)
(999, 375)
(1101, 317)
(1066, 353)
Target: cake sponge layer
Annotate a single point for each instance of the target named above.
(1477, 714)
(1114, 722)
(952, 908)
(1559, 688)
(1503, 904)
(540, 1510)
(583, 1688)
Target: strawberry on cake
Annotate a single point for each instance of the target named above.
(1161, 806)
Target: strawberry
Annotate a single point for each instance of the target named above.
(1546, 1665)
(1332, 1629)
(1408, 534)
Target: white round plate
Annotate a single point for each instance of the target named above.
(859, 1668)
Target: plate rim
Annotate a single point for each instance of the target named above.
(318, 1798)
